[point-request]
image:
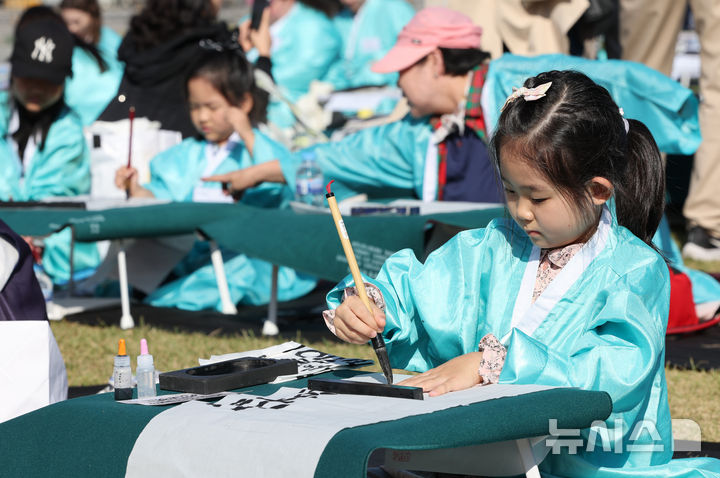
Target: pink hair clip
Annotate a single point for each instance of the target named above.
(528, 94)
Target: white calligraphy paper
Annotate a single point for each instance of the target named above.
(281, 435)
(310, 361)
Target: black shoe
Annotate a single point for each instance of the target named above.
(701, 246)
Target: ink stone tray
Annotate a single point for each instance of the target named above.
(227, 375)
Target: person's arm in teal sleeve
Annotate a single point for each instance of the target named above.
(422, 327)
(389, 156)
(383, 158)
(165, 179)
(618, 353)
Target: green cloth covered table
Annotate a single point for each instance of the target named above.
(94, 435)
(306, 242)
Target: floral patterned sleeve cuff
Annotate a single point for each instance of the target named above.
(373, 293)
(493, 359)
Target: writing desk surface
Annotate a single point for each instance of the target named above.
(94, 435)
(274, 235)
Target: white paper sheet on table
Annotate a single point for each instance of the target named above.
(310, 361)
(281, 435)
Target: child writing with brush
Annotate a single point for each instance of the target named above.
(225, 106)
(567, 293)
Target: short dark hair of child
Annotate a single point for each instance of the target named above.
(229, 72)
(576, 133)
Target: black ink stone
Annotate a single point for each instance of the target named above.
(227, 375)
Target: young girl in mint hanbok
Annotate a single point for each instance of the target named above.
(225, 107)
(567, 293)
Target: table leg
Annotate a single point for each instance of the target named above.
(126, 321)
(270, 326)
(228, 307)
(527, 458)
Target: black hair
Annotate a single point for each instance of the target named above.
(92, 8)
(458, 61)
(229, 72)
(577, 133)
(162, 20)
(39, 123)
(328, 7)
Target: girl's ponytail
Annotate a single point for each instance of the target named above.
(640, 190)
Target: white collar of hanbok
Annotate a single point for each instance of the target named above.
(528, 315)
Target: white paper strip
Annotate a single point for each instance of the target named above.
(277, 436)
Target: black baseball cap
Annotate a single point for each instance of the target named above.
(42, 50)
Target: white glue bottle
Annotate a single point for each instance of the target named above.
(145, 372)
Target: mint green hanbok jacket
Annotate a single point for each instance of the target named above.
(174, 174)
(305, 45)
(599, 325)
(89, 90)
(62, 168)
(366, 37)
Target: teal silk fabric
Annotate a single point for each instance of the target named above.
(366, 37)
(174, 175)
(62, 168)
(305, 45)
(605, 332)
(89, 91)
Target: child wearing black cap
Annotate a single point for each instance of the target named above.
(42, 148)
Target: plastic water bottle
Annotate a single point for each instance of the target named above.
(309, 181)
(145, 372)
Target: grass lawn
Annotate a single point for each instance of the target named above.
(89, 350)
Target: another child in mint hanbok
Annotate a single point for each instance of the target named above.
(225, 106)
(42, 148)
(96, 69)
(569, 292)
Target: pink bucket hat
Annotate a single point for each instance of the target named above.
(430, 28)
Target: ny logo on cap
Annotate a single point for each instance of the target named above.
(43, 50)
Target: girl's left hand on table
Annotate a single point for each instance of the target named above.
(456, 374)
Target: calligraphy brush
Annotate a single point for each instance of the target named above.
(131, 116)
(378, 343)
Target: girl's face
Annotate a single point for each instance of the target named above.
(209, 110)
(79, 22)
(539, 208)
(34, 94)
(418, 84)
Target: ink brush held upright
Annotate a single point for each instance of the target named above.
(377, 342)
(131, 118)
